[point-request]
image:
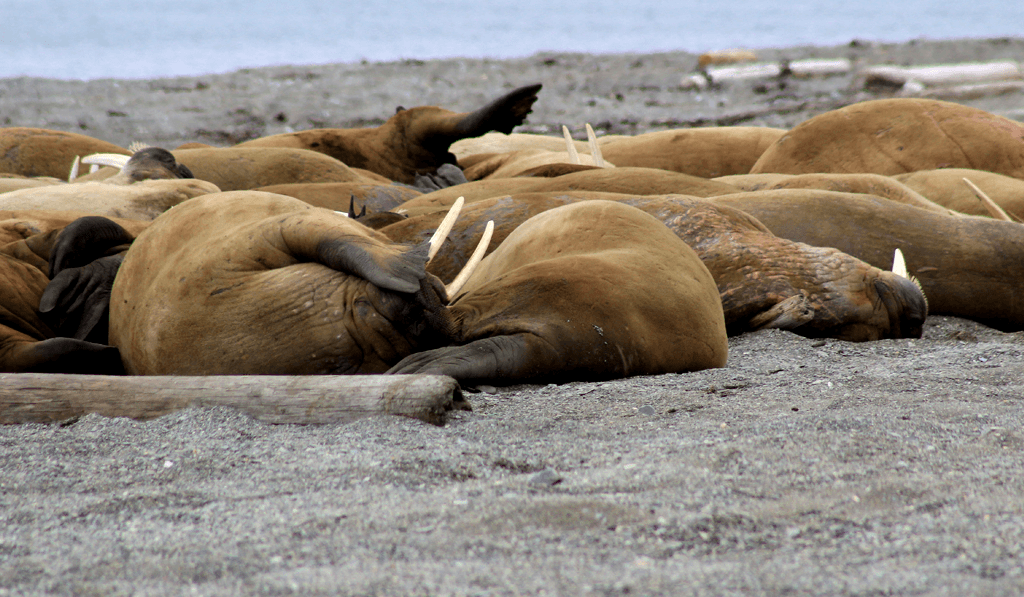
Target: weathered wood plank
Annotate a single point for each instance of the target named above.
(314, 399)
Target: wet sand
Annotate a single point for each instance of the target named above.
(804, 467)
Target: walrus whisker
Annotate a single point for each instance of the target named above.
(137, 146)
(570, 147)
(444, 228)
(899, 267)
(106, 159)
(74, 169)
(474, 260)
(993, 208)
(595, 149)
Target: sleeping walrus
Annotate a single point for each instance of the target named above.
(413, 141)
(590, 290)
(247, 282)
(894, 136)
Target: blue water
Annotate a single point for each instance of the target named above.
(76, 39)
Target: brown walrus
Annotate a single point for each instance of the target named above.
(968, 266)
(894, 136)
(706, 152)
(248, 282)
(32, 151)
(590, 290)
(413, 141)
(764, 281)
(946, 187)
(245, 168)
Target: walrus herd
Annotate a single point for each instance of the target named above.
(332, 251)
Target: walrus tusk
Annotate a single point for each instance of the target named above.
(993, 208)
(74, 169)
(899, 265)
(107, 159)
(570, 147)
(595, 149)
(474, 260)
(444, 228)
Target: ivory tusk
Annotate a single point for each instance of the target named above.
(106, 159)
(595, 149)
(74, 169)
(446, 226)
(899, 265)
(570, 146)
(474, 260)
(993, 208)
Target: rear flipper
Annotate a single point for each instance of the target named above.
(65, 355)
(76, 303)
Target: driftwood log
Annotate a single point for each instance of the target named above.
(314, 399)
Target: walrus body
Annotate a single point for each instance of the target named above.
(258, 283)
(339, 196)
(42, 152)
(140, 201)
(764, 281)
(413, 141)
(895, 136)
(968, 266)
(592, 290)
(246, 168)
(946, 187)
(637, 181)
(706, 152)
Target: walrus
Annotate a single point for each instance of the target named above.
(32, 151)
(898, 135)
(946, 187)
(968, 266)
(523, 162)
(31, 341)
(590, 290)
(339, 196)
(413, 141)
(245, 168)
(247, 282)
(633, 180)
(764, 281)
(878, 185)
(706, 152)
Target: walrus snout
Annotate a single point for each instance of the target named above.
(153, 163)
(905, 303)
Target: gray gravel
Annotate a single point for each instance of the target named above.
(803, 468)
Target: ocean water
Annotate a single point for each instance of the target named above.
(71, 39)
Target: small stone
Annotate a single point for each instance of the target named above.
(546, 478)
(647, 410)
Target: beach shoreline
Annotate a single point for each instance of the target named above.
(810, 467)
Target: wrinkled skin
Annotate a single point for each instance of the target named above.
(279, 287)
(968, 266)
(413, 141)
(764, 281)
(590, 290)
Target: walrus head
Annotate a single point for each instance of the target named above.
(149, 163)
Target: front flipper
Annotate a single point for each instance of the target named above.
(502, 115)
(520, 358)
(85, 240)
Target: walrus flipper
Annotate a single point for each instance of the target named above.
(500, 359)
(68, 355)
(502, 115)
(76, 303)
(85, 240)
(399, 272)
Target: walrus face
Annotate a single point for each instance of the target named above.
(887, 305)
(154, 163)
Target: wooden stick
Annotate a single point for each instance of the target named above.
(307, 400)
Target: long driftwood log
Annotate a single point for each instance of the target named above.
(315, 399)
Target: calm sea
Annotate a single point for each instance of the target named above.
(72, 39)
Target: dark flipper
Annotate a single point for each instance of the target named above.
(67, 355)
(85, 240)
(76, 303)
(502, 115)
(519, 358)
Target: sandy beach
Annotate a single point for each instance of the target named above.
(805, 467)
